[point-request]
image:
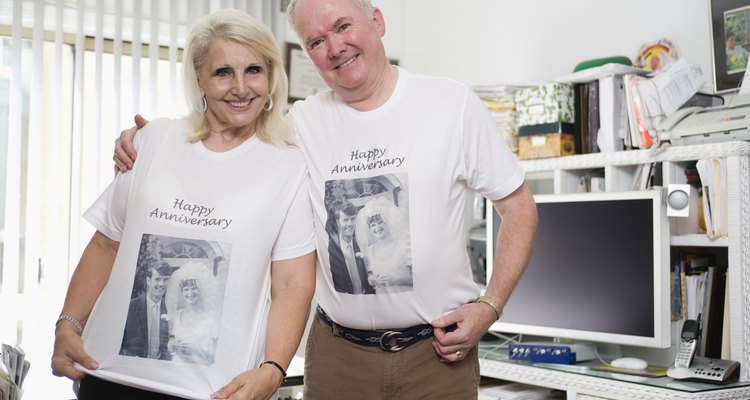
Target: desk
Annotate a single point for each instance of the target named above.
(291, 389)
(581, 382)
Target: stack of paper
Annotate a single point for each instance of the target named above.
(514, 391)
(713, 173)
(501, 103)
(651, 100)
(13, 371)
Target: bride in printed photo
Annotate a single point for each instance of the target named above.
(192, 301)
(382, 230)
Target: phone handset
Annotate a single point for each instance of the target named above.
(688, 366)
(673, 119)
(688, 344)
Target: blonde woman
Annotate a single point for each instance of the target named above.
(222, 181)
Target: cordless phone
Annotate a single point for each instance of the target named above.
(687, 366)
(688, 344)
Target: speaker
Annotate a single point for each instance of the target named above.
(678, 200)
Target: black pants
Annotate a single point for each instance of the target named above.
(93, 388)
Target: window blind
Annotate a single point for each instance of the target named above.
(72, 75)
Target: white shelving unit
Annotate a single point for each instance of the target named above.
(619, 169)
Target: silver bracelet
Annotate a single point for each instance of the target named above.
(72, 321)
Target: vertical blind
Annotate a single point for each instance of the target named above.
(72, 75)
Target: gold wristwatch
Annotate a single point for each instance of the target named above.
(492, 303)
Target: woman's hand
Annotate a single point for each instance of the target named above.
(69, 350)
(256, 384)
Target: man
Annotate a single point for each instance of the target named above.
(146, 329)
(348, 270)
(381, 120)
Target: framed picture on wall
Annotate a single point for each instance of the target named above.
(303, 77)
(730, 34)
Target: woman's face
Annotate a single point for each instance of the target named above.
(731, 42)
(378, 228)
(192, 294)
(234, 79)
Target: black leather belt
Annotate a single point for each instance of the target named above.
(388, 340)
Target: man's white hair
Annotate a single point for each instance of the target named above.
(364, 5)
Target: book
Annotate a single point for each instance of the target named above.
(643, 131)
(593, 116)
(580, 118)
(612, 114)
(714, 187)
(712, 316)
(584, 114)
(650, 371)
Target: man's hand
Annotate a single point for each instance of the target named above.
(125, 153)
(470, 321)
(69, 349)
(258, 383)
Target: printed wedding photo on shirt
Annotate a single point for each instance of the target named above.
(368, 234)
(175, 305)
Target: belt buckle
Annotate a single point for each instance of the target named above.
(386, 339)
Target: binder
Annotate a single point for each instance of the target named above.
(713, 313)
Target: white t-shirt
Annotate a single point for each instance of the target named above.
(218, 219)
(405, 166)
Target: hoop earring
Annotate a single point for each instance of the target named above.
(269, 105)
(205, 104)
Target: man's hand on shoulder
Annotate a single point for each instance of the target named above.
(125, 153)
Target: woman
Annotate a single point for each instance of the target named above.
(223, 184)
(381, 230)
(193, 306)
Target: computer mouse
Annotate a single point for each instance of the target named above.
(631, 363)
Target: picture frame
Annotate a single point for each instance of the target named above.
(303, 76)
(729, 18)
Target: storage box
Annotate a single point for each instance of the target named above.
(548, 145)
(541, 129)
(545, 104)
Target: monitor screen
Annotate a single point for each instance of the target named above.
(598, 272)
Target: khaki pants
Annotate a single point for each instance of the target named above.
(338, 369)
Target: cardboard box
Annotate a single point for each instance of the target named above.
(544, 146)
(545, 104)
(541, 129)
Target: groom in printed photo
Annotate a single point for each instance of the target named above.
(146, 332)
(347, 264)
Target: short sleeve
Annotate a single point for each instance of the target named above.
(297, 235)
(491, 168)
(107, 214)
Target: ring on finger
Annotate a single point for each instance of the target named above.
(459, 354)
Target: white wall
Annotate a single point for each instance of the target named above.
(481, 42)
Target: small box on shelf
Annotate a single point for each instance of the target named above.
(544, 146)
(545, 104)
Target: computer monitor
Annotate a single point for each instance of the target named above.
(599, 271)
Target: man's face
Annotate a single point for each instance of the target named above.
(344, 44)
(346, 225)
(157, 285)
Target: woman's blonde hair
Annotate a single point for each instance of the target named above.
(242, 28)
